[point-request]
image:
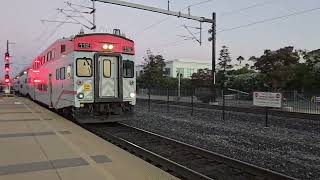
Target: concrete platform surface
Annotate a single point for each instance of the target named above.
(37, 144)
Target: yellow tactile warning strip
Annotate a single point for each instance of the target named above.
(61, 150)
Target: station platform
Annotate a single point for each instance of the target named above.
(37, 144)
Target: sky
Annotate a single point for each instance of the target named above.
(22, 25)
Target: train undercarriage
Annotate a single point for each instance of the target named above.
(99, 112)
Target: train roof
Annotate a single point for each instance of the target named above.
(92, 34)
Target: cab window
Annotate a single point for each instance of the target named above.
(128, 69)
(84, 67)
(106, 68)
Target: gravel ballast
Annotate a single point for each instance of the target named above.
(289, 146)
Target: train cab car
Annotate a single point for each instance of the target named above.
(90, 76)
(20, 83)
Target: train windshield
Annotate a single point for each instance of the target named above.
(84, 67)
(107, 68)
(128, 69)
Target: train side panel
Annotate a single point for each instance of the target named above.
(52, 84)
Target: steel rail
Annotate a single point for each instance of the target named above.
(185, 161)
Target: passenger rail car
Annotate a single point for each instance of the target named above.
(90, 76)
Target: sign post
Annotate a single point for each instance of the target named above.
(267, 117)
(267, 100)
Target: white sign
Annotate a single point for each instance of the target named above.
(267, 99)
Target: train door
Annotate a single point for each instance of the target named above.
(50, 90)
(108, 74)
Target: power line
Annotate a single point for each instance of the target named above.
(58, 26)
(196, 4)
(248, 7)
(255, 23)
(270, 19)
(165, 19)
(46, 28)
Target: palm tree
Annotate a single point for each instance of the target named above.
(240, 59)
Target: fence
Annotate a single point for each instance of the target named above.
(292, 100)
(300, 102)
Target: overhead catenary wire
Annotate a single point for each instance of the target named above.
(240, 9)
(46, 28)
(80, 13)
(297, 13)
(57, 27)
(270, 19)
(165, 19)
(248, 7)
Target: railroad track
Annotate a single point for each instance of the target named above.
(180, 159)
(255, 110)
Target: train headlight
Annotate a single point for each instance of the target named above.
(132, 95)
(107, 46)
(80, 96)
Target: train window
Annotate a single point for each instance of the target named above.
(53, 54)
(106, 68)
(63, 48)
(69, 72)
(128, 69)
(84, 67)
(63, 73)
(49, 55)
(44, 87)
(57, 74)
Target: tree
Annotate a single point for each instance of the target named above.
(312, 58)
(224, 59)
(153, 75)
(202, 82)
(244, 70)
(277, 66)
(307, 74)
(224, 64)
(247, 82)
(240, 59)
(202, 78)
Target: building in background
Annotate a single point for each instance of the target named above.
(185, 66)
(139, 70)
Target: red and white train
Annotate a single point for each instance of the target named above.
(90, 76)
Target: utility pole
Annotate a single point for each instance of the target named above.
(179, 84)
(179, 15)
(7, 46)
(212, 31)
(94, 15)
(213, 74)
